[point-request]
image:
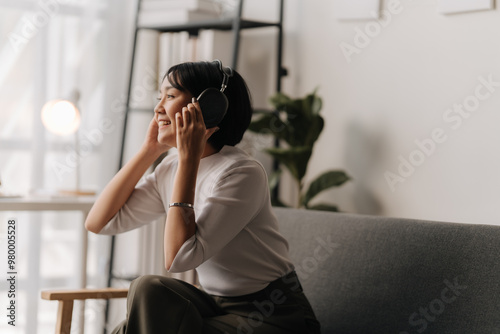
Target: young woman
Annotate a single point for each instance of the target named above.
(219, 220)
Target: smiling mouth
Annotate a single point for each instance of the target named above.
(162, 123)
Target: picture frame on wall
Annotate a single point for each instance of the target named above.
(461, 6)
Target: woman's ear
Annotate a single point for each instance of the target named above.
(210, 132)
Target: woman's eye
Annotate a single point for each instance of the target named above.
(170, 96)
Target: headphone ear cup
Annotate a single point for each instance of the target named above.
(213, 104)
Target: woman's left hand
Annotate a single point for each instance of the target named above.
(191, 132)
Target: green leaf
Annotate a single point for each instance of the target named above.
(312, 104)
(316, 104)
(280, 101)
(324, 181)
(323, 207)
(274, 178)
(268, 123)
(271, 124)
(303, 122)
(314, 130)
(295, 159)
(298, 123)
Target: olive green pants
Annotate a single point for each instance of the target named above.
(161, 305)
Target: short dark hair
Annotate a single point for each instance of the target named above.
(195, 77)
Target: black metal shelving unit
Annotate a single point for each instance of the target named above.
(236, 25)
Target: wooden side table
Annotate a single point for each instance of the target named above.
(47, 203)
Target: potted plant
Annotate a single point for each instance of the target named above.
(298, 124)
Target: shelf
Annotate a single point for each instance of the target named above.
(235, 25)
(142, 110)
(224, 24)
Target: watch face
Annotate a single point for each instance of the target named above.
(213, 104)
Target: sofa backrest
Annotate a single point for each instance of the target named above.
(369, 274)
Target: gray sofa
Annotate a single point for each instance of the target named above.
(368, 274)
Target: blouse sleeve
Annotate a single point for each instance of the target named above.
(143, 206)
(235, 199)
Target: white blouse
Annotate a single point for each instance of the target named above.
(237, 248)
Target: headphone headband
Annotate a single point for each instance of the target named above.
(227, 72)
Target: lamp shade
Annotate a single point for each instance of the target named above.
(60, 117)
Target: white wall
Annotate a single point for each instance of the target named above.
(391, 93)
(397, 89)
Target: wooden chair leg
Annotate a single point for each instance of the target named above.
(64, 314)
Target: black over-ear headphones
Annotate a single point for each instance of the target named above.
(213, 102)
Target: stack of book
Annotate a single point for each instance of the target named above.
(158, 13)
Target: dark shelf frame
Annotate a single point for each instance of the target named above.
(223, 25)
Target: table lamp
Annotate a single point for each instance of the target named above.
(62, 117)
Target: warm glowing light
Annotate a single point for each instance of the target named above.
(60, 117)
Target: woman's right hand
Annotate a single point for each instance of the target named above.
(121, 186)
(151, 144)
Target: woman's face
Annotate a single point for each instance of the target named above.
(171, 101)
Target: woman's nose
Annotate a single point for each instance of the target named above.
(159, 109)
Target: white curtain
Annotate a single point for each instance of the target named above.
(48, 48)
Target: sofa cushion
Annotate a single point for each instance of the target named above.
(369, 274)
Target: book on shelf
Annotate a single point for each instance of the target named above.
(174, 48)
(201, 5)
(153, 19)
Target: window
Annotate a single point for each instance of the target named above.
(48, 48)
